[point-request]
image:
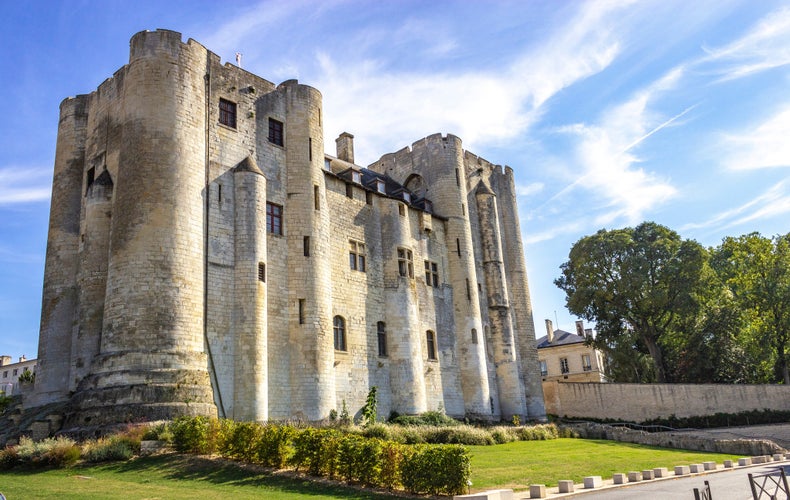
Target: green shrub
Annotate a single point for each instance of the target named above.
(441, 469)
(539, 432)
(433, 418)
(242, 441)
(59, 452)
(316, 451)
(457, 435)
(378, 431)
(195, 434)
(391, 458)
(158, 432)
(274, 445)
(359, 459)
(108, 450)
(502, 435)
(9, 457)
(369, 410)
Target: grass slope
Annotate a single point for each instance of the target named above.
(519, 464)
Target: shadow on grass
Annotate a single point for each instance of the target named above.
(224, 472)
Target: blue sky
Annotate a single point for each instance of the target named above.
(610, 112)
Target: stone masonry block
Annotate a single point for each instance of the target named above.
(682, 470)
(618, 478)
(744, 461)
(487, 495)
(661, 472)
(566, 486)
(537, 491)
(696, 468)
(634, 476)
(593, 482)
(728, 464)
(648, 474)
(709, 465)
(778, 457)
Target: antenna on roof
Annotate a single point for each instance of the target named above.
(238, 59)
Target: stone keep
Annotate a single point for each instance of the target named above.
(205, 256)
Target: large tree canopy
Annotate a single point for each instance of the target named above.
(636, 284)
(756, 271)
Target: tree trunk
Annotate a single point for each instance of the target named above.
(658, 358)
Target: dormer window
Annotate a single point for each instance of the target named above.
(327, 164)
(380, 186)
(356, 176)
(406, 197)
(428, 206)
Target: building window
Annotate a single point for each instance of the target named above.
(15, 371)
(405, 264)
(276, 132)
(458, 246)
(431, 274)
(381, 187)
(468, 290)
(406, 197)
(544, 370)
(586, 365)
(306, 245)
(227, 113)
(316, 197)
(301, 311)
(356, 176)
(310, 149)
(5, 374)
(564, 365)
(89, 178)
(381, 331)
(356, 256)
(262, 272)
(349, 190)
(430, 342)
(368, 197)
(339, 327)
(274, 218)
(474, 336)
(457, 178)
(428, 206)
(327, 164)
(401, 209)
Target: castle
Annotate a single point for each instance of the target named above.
(205, 256)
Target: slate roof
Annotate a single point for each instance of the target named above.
(561, 337)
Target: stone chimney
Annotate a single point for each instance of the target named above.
(549, 331)
(580, 328)
(5, 360)
(22, 358)
(345, 147)
(588, 332)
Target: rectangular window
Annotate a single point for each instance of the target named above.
(219, 194)
(15, 371)
(262, 272)
(90, 177)
(430, 343)
(227, 113)
(310, 149)
(457, 178)
(381, 331)
(276, 132)
(356, 256)
(468, 290)
(368, 197)
(356, 176)
(301, 311)
(316, 197)
(405, 263)
(431, 274)
(274, 218)
(544, 370)
(381, 187)
(306, 245)
(564, 365)
(458, 246)
(349, 191)
(401, 209)
(5, 374)
(474, 336)
(586, 365)
(328, 164)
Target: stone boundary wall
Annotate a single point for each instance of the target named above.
(680, 439)
(640, 402)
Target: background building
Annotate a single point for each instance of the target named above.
(10, 373)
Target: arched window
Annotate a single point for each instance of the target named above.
(474, 336)
(430, 342)
(381, 331)
(340, 333)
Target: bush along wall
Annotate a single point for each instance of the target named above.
(328, 452)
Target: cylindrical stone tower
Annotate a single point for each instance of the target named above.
(306, 215)
(92, 276)
(60, 296)
(407, 378)
(250, 398)
(509, 384)
(152, 362)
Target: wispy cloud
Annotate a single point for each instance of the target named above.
(772, 203)
(765, 46)
(24, 185)
(765, 145)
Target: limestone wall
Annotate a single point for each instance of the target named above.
(640, 402)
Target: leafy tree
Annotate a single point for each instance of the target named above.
(637, 284)
(756, 271)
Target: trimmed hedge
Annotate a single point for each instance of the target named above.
(442, 469)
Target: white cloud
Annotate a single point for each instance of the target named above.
(529, 189)
(764, 47)
(24, 185)
(772, 203)
(764, 145)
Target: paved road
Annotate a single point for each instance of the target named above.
(731, 484)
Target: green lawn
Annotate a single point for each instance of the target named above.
(517, 465)
(514, 465)
(168, 477)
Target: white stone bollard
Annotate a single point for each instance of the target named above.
(709, 465)
(778, 457)
(744, 461)
(728, 464)
(634, 476)
(696, 468)
(682, 470)
(566, 486)
(661, 472)
(537, 491)
(648, 474)
(592, 482)
(618, 478)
